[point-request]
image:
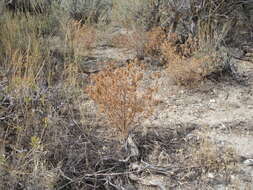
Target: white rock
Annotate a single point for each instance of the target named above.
(248, 162)
(210, 175)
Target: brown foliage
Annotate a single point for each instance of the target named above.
(155, 38)
(211, 158)
(122, 41)
(189, 71)
(79, 38)
(181, 55)
(184, 64)
(116, 93)
(131, 41)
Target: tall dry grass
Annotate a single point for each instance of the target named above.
(38, 96)
(23, 54)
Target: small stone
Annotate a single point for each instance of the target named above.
(130, 187)
(248, 162)
(210, 175)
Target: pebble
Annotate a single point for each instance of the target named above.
(210, 175)
(248, 162)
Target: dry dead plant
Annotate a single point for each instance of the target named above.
(122, 41)
(25, 66)
(24, 55)
(71, 74)
(155, 38)
(116, 93)
(190, 71)
(186, 63)
(79, 38)
(211, 158)
(134, 40)
(174, 45)
(24, 72)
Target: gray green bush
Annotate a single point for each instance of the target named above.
(146, 14)
(89, 11)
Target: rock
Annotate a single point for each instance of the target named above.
(210, 175)
(220, 187)
(248, 162)
(91, 65)
(130, 187)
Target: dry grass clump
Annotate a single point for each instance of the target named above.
(23, 53)
(31, 131)
(187, 63)
(184, 70)
(133, 40)
(79, 38)
(142, 42)
(88, 12)
(18, 33)
(140, 13)
(25, 71)
(213, 159)
(116, 93)
(191, 71)
(155, 39)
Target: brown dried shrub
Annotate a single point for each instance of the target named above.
(122, 41)
(79, 38)
(186, 64)
(155, 38)
(190, 71)
(190, 46)
(181, 47)
(116, 93)
(144, 43)
(170, 50)
(211, 158)
(134, 40)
